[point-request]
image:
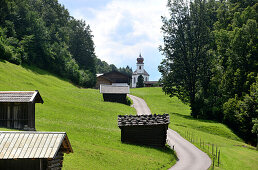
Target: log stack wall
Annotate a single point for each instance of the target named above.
(56, 163)
(150, 130)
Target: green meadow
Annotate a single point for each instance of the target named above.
(90, 123)
(235, 154)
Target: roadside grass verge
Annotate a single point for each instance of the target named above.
(90, 123)
(235, 154)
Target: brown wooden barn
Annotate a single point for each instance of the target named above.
(17, 109)
(150, 130)
(151, 83)
(112, 77)
(102, 80)
(30, 150)
(114, 93)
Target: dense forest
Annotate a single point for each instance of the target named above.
(42, 33)
(211, 62)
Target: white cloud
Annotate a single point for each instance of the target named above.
(123, 28)
(144, 16)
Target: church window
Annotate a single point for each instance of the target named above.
(140, 67)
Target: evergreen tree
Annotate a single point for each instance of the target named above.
(126, 70)
(140, 81)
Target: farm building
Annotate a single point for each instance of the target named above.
(150, 130)
(112, 77)
(30, 150)
(102, 80)
(17, 109)
(151, 83)
(114, 93)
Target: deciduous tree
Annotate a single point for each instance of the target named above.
(186, 67)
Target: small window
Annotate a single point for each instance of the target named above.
(134, 80)
(140, 67)
(146, 79)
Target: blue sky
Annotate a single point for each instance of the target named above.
(124, 28)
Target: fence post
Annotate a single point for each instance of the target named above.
(193, 137)
(216, 151)
(213, 162)
(208, 147)
(218, 157)
(212, 148)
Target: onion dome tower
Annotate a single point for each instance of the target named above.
(139, 71)
(140, 64)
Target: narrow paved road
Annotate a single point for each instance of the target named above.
(140, 105)
(189, 156)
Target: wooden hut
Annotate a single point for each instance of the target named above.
(17, 109)
(102, 80)
(114, 93)
(150, 130)
(112, 77)
(151, 83)
(30, 150)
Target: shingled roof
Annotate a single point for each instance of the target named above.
(32, 144)
(153, 119)
(114, 89)
(20, 96)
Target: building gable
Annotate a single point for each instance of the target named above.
(20, 96)
(32, 145)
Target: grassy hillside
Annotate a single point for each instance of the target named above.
(235, 154)
(90, 123)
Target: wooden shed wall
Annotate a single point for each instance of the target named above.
(117, 77)
(119, 98)
(16, 115)
(32, 164)
(23, 164)
(150, 135)
(101, 80)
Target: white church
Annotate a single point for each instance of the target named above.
(139, 71)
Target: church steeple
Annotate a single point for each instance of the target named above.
(140, 59)
(139, 71)
(140, 64)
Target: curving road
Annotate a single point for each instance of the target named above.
(140, 105)
(189, 156)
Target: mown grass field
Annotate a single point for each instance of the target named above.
(235, 154)
(90, 123)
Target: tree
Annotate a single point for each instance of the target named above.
(236, 39)
(82, 45)
(113, 67)
(42, 33)
(239, 114)
(102, 66)
(186, 68)
(140, 81)
(255, 131)
(126, 70)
